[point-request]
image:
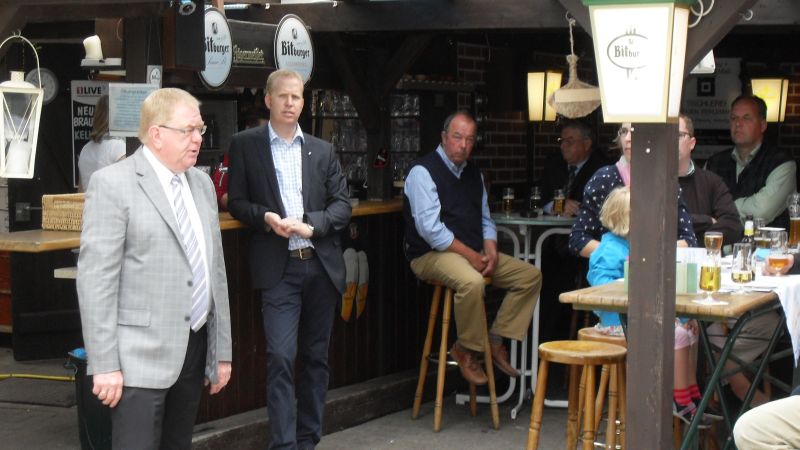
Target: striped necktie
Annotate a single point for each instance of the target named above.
(572, 171)
(192, 249)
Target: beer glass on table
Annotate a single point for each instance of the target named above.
(794, 223)
(741, 267)
(713, 241)
(779, 258)
(710, 269)
(508, 201)
(558, 202)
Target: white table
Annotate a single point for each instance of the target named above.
(552, 225)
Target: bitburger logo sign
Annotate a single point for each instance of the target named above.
(626, 51)
(293, 47)
(218, 49)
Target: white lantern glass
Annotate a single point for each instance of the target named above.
(640, 50)
(540, 86)
(21, 106)
(774, 92)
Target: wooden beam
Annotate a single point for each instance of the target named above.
(77, 4)
(402, 59)
(651, 283)
(712, 28)
(10, 21)
(433, 15)
(65, 13)
(580, 12)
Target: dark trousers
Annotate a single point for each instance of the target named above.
(298, 317)
(163, 418)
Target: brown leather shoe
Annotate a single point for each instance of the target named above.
(471, 370)
(500, 360)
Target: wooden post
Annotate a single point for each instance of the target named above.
(651, 294)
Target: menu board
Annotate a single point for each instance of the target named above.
(84, 98)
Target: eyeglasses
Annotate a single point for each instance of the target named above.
(684, 135)
(569, 141)
(624, 131)
(187, 131)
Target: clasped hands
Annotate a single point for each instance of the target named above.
(288, 226)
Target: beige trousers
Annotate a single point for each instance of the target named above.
(521, 280)
(771, 426)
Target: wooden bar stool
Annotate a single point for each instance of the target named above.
(441, 358)
(617, 378)
(576, 354)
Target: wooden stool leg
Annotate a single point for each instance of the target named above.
(601, 396)
(611, 427)
(676, 433)
(588, 409)
(622, 402)
(426, 351)
(437, 409)
(538, 407)
(473, 400)
(572, 407)
(487, 360)
(579, 402)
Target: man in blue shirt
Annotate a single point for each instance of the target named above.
(450, 236)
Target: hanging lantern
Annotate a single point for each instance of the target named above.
(640, 47)
(21, 105)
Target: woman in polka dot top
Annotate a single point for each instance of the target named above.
(587, 229)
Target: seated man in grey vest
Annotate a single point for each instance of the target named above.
(450, 237)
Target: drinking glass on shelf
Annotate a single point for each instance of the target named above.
(558, 202)
(508, 201)
(794, 223)
(779, 259)
(741, 267)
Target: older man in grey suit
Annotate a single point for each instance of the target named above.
(287, 186)
(151, 281)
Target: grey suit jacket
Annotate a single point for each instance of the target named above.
(253, 191)
(134, 279)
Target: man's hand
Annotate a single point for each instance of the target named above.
(301, 229)
(276, 223)
(571, 207)
(223, 376)
(108, 387)
(490, 255)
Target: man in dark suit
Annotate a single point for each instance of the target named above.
(151, 281)
(568, 170)
(288, 187)
(571, 169)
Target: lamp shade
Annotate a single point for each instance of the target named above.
(774, 92)
(540, 86)
(640, 49)
(21, 104)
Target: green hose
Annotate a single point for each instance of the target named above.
(4, 376)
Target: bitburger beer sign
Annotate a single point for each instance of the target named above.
(218, 49)
(293, 47)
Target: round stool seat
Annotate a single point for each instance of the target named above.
(591, 334)
(582, 352)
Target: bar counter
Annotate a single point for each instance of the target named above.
(37, 241)
(385, 339)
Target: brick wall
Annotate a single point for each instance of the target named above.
(789, 132)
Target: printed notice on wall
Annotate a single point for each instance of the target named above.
(124, 104)
(84, 98)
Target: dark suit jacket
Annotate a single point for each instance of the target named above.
(556, 173)
(253, 191)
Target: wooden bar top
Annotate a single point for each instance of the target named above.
(37, 241)
(612, 297)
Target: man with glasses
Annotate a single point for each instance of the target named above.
(151, 281)
(569, 170)
(572, 167)
(707, 197)
(759, 176)
(450, 236)
(288, 187)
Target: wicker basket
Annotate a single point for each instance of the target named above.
(62, 212)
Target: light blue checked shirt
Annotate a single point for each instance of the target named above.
(287, 157)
